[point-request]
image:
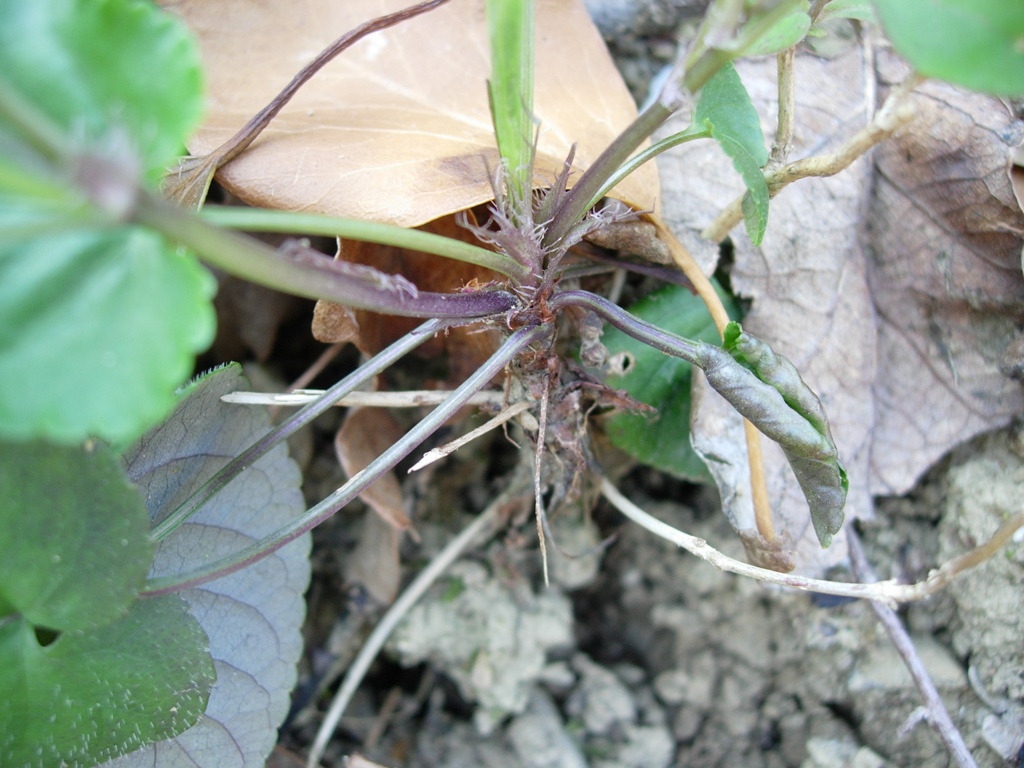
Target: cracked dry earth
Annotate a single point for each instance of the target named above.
(645, 657)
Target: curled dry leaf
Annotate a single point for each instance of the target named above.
(397, 129)
(945, 235)
(366, 433)
(896, 309)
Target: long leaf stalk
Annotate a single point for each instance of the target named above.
(639, 329)
(705, 58)
(578, 200)
(375, 365)
(494, 365)
(644, 156)
(309, 274)
(262, 220)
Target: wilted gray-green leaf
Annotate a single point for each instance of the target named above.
(767, 389)
(253, 616)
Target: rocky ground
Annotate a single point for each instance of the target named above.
(648, 657)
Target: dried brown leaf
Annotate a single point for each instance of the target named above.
(945, 235)
(367, 433)
(397, 129)
(334, 323)
(903, 338)
(375, 563)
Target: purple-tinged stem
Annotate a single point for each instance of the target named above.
(508, 351)
(639, 329)
(576, 203)
(302, 274)
(299, 419)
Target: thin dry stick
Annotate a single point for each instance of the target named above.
(310, 373)
(787, 108)
(707, 294)
(317, 367)
(889, 592)
(937, 714)
(413, 398)
(241, 140)
(538, 464)
(436, 454)
(361, 664)
(758, 483)
(894, 114)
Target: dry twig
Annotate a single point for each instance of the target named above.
(895, 113)
(936, 712)
(887, 592)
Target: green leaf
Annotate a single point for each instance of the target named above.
(860, 10)
(724, 108)
(253, 617)
(973, 43)
(114, 71)
(785, 33)
(766, 388)
(74, 535)
(96, 331)
(663, 440)
(93, 695)
(510, 32)
(97, 327)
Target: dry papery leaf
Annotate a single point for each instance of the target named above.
(396, 129)
(945, 238)
(366, 433)
(895, 307)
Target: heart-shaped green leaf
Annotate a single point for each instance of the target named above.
(974, 43)
(253, 617)
(73, 532)
(97, 326)
(106, 71)
(93, 695)
(96, 331)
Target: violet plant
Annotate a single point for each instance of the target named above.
(89, 245)
(533, 233)
(101, 314)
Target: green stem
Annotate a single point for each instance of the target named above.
(480, 378)
(263, 220)
(642, 157)
(510, 32)
(257, 262)
(31, 124)
(247, 458)
(577, 201)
